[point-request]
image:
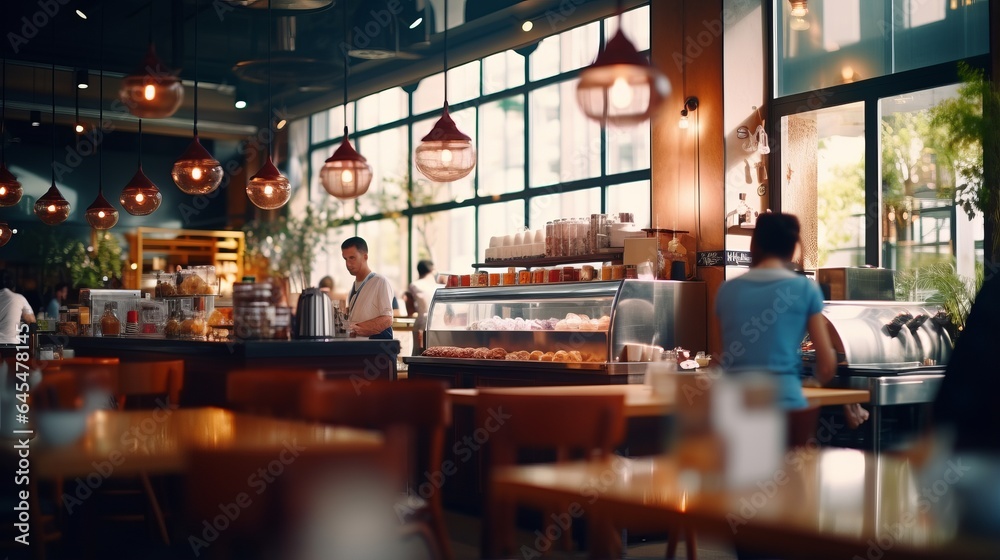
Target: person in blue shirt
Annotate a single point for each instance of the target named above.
(765, 314)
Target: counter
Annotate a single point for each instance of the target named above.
(206, 364)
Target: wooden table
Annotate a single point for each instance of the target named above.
(158, 441)
(829, 503)
(641, 402)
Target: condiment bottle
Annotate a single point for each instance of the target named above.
(110, 324)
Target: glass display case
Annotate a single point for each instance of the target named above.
(584, 326)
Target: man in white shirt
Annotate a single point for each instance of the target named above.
(370, 300)
(422, 290)
(13, 309)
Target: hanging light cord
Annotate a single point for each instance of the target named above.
(53, 102)
(3, 114)
(100, 105)
(269, 31)
(347, 62)
(196, 66)
(445, 53)
(140, 144)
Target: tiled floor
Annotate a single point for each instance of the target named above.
(464, 531)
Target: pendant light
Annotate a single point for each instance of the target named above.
(10, 187)
(51, 208)
(269, 189)
(445, 154)
(153, 91)
(196, 171)
(5, 233)
(140, 197)
(346, 174)
(621, 87)
(101, 215)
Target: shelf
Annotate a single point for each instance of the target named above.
(740, 230)
(552, 261)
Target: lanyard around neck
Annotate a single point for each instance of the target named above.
(354, 293)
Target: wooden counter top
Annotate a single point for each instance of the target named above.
(640, 401)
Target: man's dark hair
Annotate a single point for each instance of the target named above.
(355, 242)
(424, 267)
(775, 235)
(6, 280)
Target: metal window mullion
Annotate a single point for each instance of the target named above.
(873, 181)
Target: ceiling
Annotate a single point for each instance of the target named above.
(306, 51)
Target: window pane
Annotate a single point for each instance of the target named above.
(501, 152)
(921, 186)
(544, 62)
(387, 243)
(567, 51)
(824, 183)
(576, 204)
(630, 197)
(502, 71)
(427, 192)
(388, 188)
(381, 108)
(444, 237)
(628, 148)
(297, 168)
(565, 145)
(463, 85)
(844, 41)
(330, 123)
(498, 220)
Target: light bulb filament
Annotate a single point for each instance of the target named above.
(446, 156)
(149, 92)
(100, 214)
(268, 190)
(347, 176)
(196, 173)
(140, 198)
(51, 208)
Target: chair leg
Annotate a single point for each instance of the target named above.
(692, 544)
(440, 531)
(155, 505)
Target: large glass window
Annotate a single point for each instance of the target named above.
(539, 157)
(843, 41)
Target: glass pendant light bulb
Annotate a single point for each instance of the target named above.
(621, 87)
(5, 233)
(153, 91)
(196, 171)
(51, 208)
(269, 189)
(346, 174)
(445, 154)
(140, 197)
(10, 188)
(101, 215)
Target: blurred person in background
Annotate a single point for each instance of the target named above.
(422, 291)
(56, 300)
(14, 309)
(370, 300)
(327, 285)
(765, 314)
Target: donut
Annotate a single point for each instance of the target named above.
(535, 355)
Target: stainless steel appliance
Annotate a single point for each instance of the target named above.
(857, 283)
(560, 329)
(897, 351)
(315, 315)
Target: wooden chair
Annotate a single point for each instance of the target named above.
(588, 424)
(268, 392)
(413, 415)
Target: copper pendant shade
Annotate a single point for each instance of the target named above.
(10, 187)
(196, 171)
(100, 214)
(153, 91)
(51, 208)
(269, 189)
(5, 233)
(621, 87)
(346, 174)
(445, 154)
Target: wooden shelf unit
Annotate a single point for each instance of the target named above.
(186, 247)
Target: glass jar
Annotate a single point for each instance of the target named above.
(173, 327)
(110, 324)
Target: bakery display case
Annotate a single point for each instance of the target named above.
(558, 332)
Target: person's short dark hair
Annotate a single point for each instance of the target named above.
(360, 244)
(6, 280)
(774, 235)
(326, 282)
(425, 267)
